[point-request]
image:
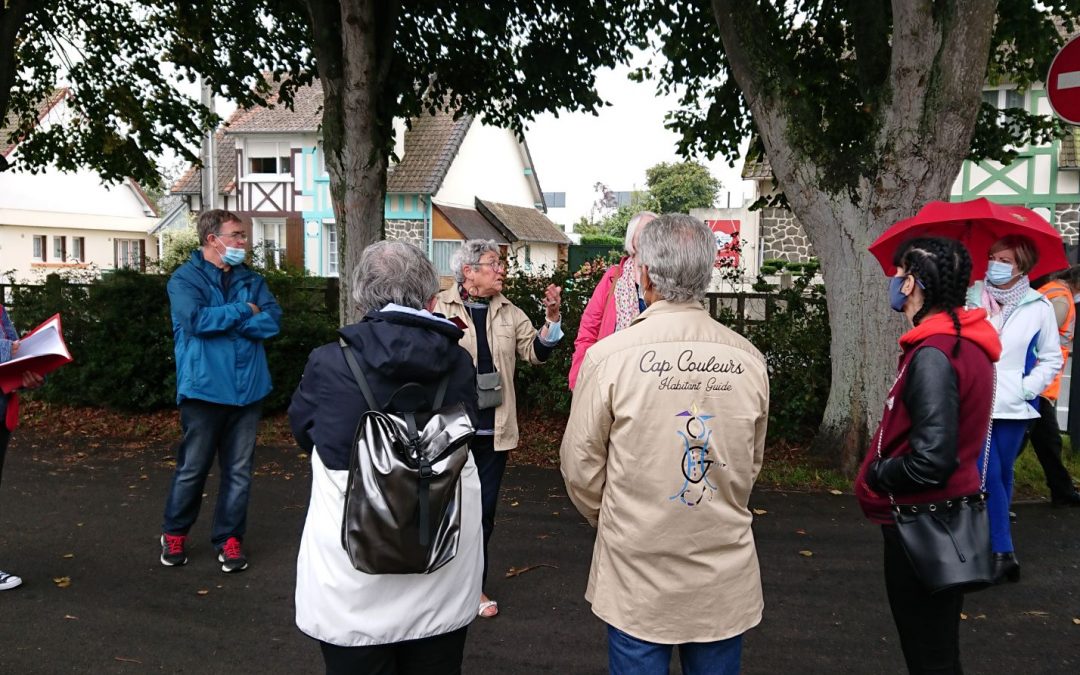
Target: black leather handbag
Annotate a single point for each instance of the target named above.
(948, 542)
(403, 500)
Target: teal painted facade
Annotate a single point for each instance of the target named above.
(315, 184)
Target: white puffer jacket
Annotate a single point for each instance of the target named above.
(1030, 335)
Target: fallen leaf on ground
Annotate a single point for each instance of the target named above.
(69, 555)
(62, 582)
(1077, 621)
(834, 491)
(121, 658)
(542, 536)
(71, 618)
(1035, 612)
(760, 512)
(980, 616)
(202, 591)
(963, 616)
(513, 503)
(144, 477)
(806, 554)
(515, 571)
(800, 531)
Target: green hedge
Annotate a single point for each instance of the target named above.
(120, 336)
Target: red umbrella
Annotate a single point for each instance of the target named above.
(978, 224)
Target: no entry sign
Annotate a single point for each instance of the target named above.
(1063, 82)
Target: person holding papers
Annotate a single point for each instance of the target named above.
(9, 348)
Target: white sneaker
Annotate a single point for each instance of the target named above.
(9, 581)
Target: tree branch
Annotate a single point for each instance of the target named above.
(870, 23)
(13, 14)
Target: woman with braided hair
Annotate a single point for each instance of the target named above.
(1030, 359)
(932, 434)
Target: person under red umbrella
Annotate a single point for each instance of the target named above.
(1030, 359)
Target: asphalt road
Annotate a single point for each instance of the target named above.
(82, 532)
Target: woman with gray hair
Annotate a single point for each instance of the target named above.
(386, 623)
(616, 301)
(497, 333)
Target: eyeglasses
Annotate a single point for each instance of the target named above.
(240, 236)
(495, 266)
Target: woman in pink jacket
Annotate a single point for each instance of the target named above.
(616, 302)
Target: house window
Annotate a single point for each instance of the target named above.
(271, 244)
(269, 157)
(78, 249)
(39, 247)
(441, 251)
(59, 248)
(555, 200)
(128, 253)
(331, 253)
(1014, 98)
(528, 257)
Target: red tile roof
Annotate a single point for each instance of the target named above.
(431, 143)
(10, 124)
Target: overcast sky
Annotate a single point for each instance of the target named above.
(574, 151)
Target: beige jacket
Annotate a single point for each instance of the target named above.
(674, 559)
(510, 335)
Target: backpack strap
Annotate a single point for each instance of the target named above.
(358, 375)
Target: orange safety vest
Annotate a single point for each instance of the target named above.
(1053, 291)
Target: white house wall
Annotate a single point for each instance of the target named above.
(17, 250)
(488, 165)
(541, 254)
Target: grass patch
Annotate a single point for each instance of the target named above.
(1030, 481)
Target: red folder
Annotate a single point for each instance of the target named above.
(42, 351)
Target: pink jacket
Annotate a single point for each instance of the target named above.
(598, 319)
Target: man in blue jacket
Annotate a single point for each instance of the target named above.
(221, 313)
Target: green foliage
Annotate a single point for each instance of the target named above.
(119, 332)
(795, 341)
(602, 240)
(544, 389)
(681, 186)
(177, 246)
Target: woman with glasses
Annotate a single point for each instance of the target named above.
(497, 333)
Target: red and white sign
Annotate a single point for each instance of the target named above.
(1063, 82)
(727, 241)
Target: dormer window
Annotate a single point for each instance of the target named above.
(271, 165)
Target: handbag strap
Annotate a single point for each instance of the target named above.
(989, 429)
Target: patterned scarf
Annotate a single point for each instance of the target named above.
(1005, 300)
(472, 299)
(626, 295)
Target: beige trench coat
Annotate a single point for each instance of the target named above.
(510, 335)
(674, 559)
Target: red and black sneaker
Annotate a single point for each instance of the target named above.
(172, 549)
(231, 556)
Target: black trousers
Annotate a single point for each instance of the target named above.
(929, 625)
(436, 655)
(1046, 440)
(491, 466)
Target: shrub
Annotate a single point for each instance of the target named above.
(119, 332)
(544, 388)
(615, 243)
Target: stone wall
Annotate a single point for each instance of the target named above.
(783, 236)
(1067, 217)
(411, 231)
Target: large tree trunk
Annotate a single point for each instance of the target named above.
(936, 68)
(12, 19)
(354, 50)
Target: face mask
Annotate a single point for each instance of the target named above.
(999, 273)
(897, 299)
(233, 256)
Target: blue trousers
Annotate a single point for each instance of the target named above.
(628, 655)
(208, 429)
(1006, 440)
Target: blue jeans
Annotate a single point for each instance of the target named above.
(1006, 440)
(628, 655)
(210, 428)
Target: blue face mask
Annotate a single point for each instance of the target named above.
(999, 273)
(233, 256)
(897, 299)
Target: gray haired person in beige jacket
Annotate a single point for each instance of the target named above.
(664, 442)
